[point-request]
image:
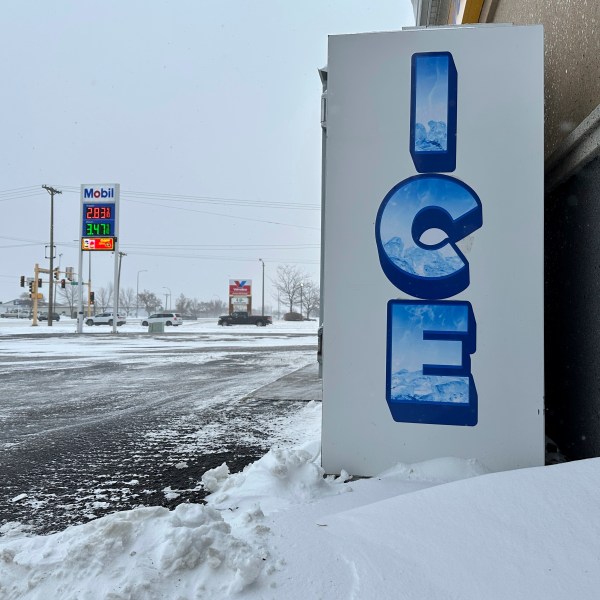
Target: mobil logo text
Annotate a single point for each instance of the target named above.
(99, 193)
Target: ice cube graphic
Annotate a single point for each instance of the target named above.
(425, 263)
(433, 138)
(413, 386)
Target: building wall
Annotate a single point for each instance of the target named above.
(572, 213)
(572, 57)
(572, 313)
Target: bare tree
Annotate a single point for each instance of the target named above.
(126, 299)
(311, 297)
(216, 307)
(25, 300)
(150, 301)
(103, 297)
(194, 308)
(182, 305)
(70, 296)
(287, 283)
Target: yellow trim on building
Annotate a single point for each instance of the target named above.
(464, 11)
(472, 11)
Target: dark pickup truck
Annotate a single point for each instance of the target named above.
(243, 318)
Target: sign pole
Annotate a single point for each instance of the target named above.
(99, 221)
(80, 290)
(116, 288)
(116, 254)
(36, 274)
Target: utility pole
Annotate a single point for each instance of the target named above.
(51, 191)
(263, 287)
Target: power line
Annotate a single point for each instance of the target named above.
(206, 212)
(19, 197)
(201, 199)
(167, 246)
(220, 258)
(205, 199)
(228, 246)
(19, 189)
(33, 190)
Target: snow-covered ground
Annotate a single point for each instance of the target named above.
(133, 325)
(94, 424)
(444, 529)
(436, 530)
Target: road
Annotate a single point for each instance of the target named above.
(89, 426)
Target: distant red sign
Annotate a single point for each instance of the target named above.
(240, 287)
(98, 243)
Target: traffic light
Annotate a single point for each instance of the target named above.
(69, 273)
(56, 274)
(63, 284)
(91, 297)
(39, 283)
(22, 280)
(31, 286)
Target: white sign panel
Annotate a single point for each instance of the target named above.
(433, 254)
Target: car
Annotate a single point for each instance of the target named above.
(168, 318)
(243, 318)
(43, 316)
(293, 316)
(16, 314)
(106, 318)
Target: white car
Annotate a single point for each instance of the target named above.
(106, 318)
(168, 318)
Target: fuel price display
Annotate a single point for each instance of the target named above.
(98, 220)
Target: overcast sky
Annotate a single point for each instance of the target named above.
(206, 113)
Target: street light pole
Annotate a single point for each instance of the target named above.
(137, 292)
(51, 191)
(263, 287)
(167, 297)
(117, 294)
(301, 299)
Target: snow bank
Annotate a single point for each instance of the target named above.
(532, 533)
(280, 479)
(281, 529)
(442, 470)
(141, 554)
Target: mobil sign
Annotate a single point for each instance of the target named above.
(100, 192)
(433, 234)
(240, 287)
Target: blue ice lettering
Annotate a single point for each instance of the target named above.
(433, 112)
(417, 227)
(429, 362)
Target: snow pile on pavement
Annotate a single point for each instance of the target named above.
(281, 529)
(146, 553)
(280, 479)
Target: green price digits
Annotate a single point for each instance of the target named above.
(97, 229)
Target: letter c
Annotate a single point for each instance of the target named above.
(413, 209)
